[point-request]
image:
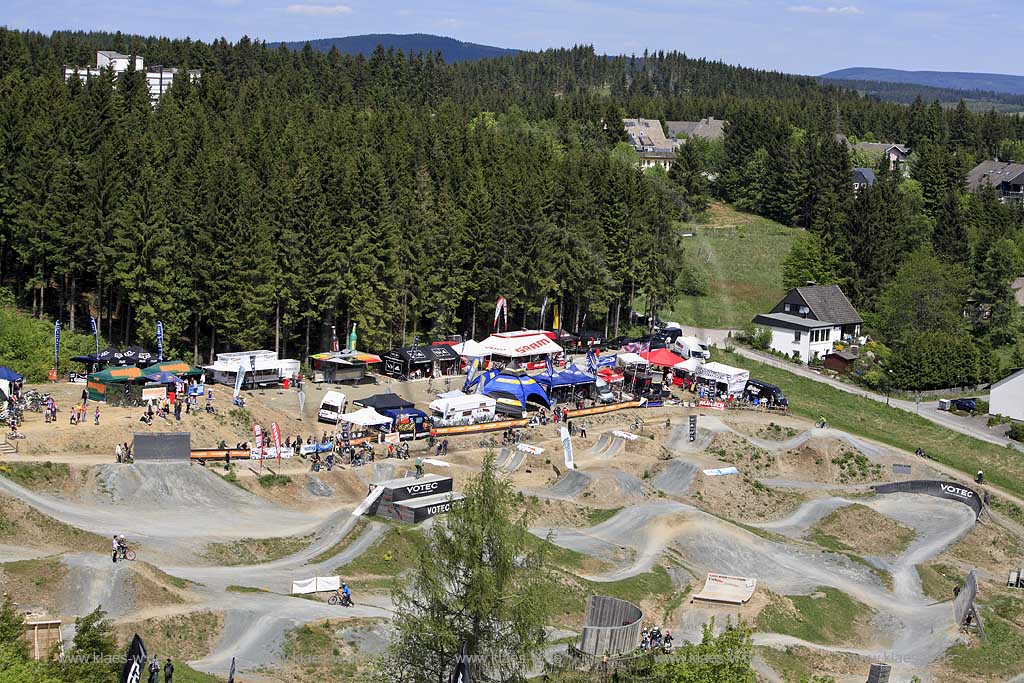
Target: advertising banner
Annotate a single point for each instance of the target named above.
(275, 434)
(159, 341)
(134, 661)
(56, 345)
(567, 447)
(713, 405)
(949, 490)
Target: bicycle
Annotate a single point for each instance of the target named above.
(638, 425)
(340, 598)
(127, 554)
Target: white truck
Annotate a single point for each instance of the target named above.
(691, 347)
(332, 407)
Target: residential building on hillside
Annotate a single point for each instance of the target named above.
(1006, 177)
(862, 177)
(897, 154)
(809, 320)
(708, 128)
(158, 78)
(650, 143)
(1006, 397)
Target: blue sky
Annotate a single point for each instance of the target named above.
(803, 36)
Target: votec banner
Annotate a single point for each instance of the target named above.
(56, 345)
(159, 341)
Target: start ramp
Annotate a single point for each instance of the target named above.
(732, 590)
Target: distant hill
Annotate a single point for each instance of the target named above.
(452, 50)
(956, 80)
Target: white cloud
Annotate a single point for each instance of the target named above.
(319, 10)
(832, 9)
(449, 22)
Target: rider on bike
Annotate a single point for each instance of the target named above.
(346, 592)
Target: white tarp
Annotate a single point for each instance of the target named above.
(624, 435)
(734, 378)
(532, 450)
(732, 589)
(317, 584)
(471, 349)
(368, 501)
(438, 463)
(268, 452)
(366, 417)
(629, 358)
(520, 344)
(688, 365)
(570, 462)
(721, 471)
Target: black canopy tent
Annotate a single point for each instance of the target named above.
(381, 402)
(447, 361)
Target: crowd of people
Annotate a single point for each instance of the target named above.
(653, 640)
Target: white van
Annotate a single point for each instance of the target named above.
(332, 407)
(691, 347)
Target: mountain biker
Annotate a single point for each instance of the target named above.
(419, 468)
(980, 478)
(346, 593)
(122, 546)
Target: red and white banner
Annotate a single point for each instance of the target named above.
(713, 405)
(257, 437)
(501, 306)
(275, 434)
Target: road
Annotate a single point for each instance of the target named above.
(926, 409)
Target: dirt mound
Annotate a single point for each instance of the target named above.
(181, 637)
(675, 477)
(24, 526)
(741, 497)
(166, 485)
(862, 530)
(830, 461)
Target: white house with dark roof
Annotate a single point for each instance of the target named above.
(809, 320)
(650, 143)
(1006, 177)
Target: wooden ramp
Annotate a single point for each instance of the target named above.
(734, 590)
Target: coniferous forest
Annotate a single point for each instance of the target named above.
(288, 191)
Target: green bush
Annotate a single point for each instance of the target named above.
(761, 339)
(26, 344)
(1016, 431)
(269, 481)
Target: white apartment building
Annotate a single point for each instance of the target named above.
(158, 78)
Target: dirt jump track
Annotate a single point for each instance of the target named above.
(175, 510)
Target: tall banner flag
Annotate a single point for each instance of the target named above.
(549, 364)
(56, 345)
(257, 432)
(470, 371)
(501, 305)
(544, 307)
(275, 434)
(567, 447)
(252, 366)
(556, 324)
(238, 381)
(302, 401)
(95, 334)
(159, 341)
(134, 661)
(334, 338)
(591, 362)
(352, 338)
(231, 674)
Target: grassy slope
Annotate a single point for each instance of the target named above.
(866, 417)
(743, 255)
(834, 618)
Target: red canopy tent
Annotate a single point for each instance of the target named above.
(661, 357)
(610, 375)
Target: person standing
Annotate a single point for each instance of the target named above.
(168, 672)
(444, 447)
(118, 453)
(96, 416)
(115, 546)
(85, 396)
(154, 670)
(583, 429)
(419, 467)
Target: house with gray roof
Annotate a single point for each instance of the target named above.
(1006, 177)
(708, 128)
(862, 177)
(896, 153)
(809, 320)
(649, 141)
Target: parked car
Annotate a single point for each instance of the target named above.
(967, 405)
(765, 392)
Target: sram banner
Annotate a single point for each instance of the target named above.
(713, 405)
(949, 490)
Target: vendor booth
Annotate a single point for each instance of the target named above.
(458, 408)
(339, 367)
(628, 358)
(661, 358)
(720, 380)
(421, 361)
(262, 368)
(514, 391)
(471, 349)
(569, 384)
(684, 374)
(113, 385)
(529, 348)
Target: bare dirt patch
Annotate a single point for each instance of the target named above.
(862, 530)
(180, 637)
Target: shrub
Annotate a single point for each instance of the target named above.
(1016, 431)
(761, 339)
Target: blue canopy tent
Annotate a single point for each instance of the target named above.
(9, 375)
(568, 385)
(513, 389)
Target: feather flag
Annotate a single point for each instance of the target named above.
(501, 307)
(56, 345)
(159, 341)
(550, 366)
(95, 334)
(543, 308)
(592, 362)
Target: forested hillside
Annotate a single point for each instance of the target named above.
(411, 43)
(287, 191)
